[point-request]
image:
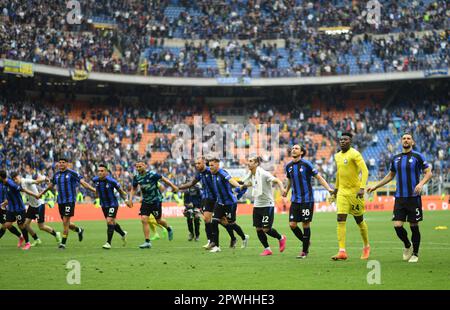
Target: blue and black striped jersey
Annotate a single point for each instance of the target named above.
(67, 182)
(105, 189)
(407, 168)
(12, 191)
(223, 189)
(300, 174)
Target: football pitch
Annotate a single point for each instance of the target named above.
(180, 264)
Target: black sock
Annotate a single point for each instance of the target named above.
(35, 236)
(77, 229)
(274, 234)
(229, 230)
(190, 226)
(208, 230)
(25, 234)
(415, 238)
(168, 228)
(306, 238)
(53, 233)
(2, 232)
(64, 240)
(14, 231)
(263, 238)
(110, 232)
(147, 240)
(119, 230)
(239, 231)
(298, 233)
(197, 227)
(215, 232)
(403, 235)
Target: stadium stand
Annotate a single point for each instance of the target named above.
(246, 38)
(232, 38)
(89, 132)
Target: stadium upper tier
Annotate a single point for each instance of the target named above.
(227, 38)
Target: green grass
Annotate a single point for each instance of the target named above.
(180, 264)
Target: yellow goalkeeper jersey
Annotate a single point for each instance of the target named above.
(352, 172)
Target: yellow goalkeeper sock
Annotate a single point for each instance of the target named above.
(341, 233)
(152, 228)
(153, 223)
(364, 230)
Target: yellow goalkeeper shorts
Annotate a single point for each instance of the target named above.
(350, 204)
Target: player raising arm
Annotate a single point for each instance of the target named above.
(209, 199)
(264, 205)
(36, 208)
(151, 199)
(67, 181)
(226, 206)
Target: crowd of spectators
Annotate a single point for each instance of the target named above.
(38, 31)
(43, 131)
(428, 122)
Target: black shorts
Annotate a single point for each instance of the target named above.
(2, 216)
(37, 214)
(228, 211)
(66, 209)
(154, 208)
(408, 209)
(208, 205)
(110, 211)
(15, 216)
(301, 212)
(263, 217)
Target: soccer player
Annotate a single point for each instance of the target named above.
(264, 206)
(15, 208)
(67, 180)
(299, 173)
(350, 193)
(3, 204)
(151, 199)
(208, 199)
(105, 185)
(407, 167)
(226, 205)
(36, 208)
(192, 203)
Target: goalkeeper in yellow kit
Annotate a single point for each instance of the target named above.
(351, 179)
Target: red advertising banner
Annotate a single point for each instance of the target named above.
(87, 211)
